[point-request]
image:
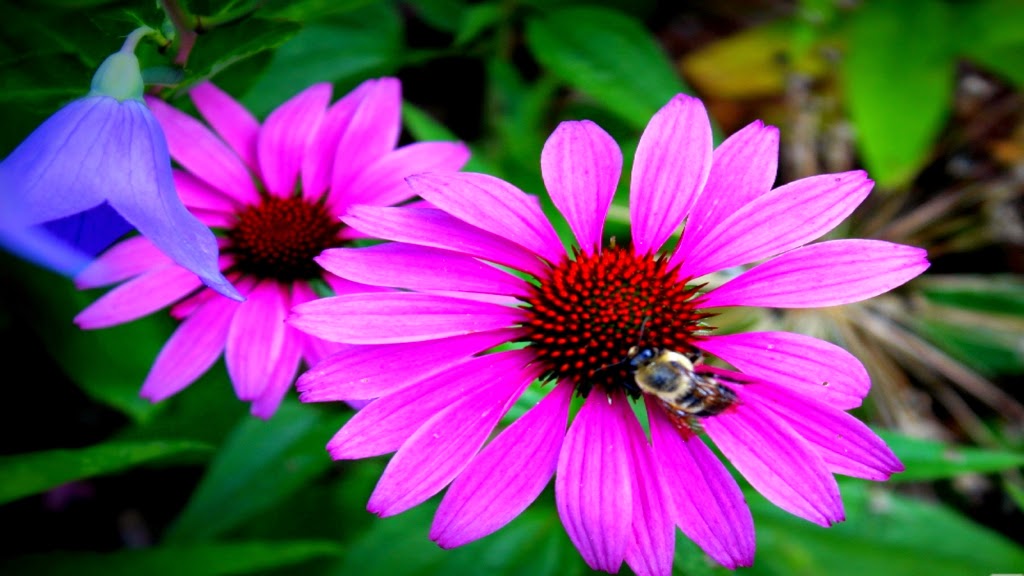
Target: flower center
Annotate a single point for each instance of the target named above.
(588, 313)
(279, 237)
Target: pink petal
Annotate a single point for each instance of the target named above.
(432, 227)
(191, 350)
(196, 148)
(508, 475)
(494, 205)
(371, 133)
(593, 486)
(436, 453)
(787, 217)
(777, 462)
(744, 168)
(383, 183)
(342, 286)
(197, 195)
(672, 163)
(256, 339)
(365, 372)
(846, 444)
(823, 274)
(138, 297)
(581, 165)
(803, 364)
(285, 136)
(652, 546)
(122, 261)
(388, 318)
(420, 268)
(711, 510)
(280, 376)
(231, 120)
(318, 163)
(313, 349)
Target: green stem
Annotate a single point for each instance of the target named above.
(136, 36)
(182, 22)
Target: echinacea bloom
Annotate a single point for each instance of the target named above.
(275, 192)
(98, 168)
(426, 354)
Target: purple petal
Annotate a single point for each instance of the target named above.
(845, 444)
(383, 183)
(743, 168)
(203, 154)
(494, 205)
(285, 136)
(803, 364)
(787, 217)
(823, 274)
(388, 318)
(777, 462)
(42, 248)
(672, 163)
(508, 475)
(593, 486)
(365, 372)
(436, 453)
(280, 376)
(711, 509)
(581, 165)
(420, 268)
(432, 227)
(90, 231)
(230, 119)
(138, 297)
(256, 339)
(652, 547)
(191, 350)
(371, 133)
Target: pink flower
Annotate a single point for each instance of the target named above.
(275, 193)
(420, 353)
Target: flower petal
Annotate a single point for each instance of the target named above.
(285, 136)
(190, 351)
(846, 444)
(383, 183)
(122, 261)
(671, 165)
(138, 297)
(581, 165)
(507, 475)
(711, 509)
(436, 453)
(420, 268)
(388, 317)
(200, 152)
(366, 372)
(777, 462)
(432, 227)
(803, 364)
(90, 231)
(280, 377)
(652, 547)
(318, 162)
(197, 195)
(232, 122)
(593, 489)
(371, 133)
(787, 217)
(256, 339)
(494, 205)
(744, 168)
(823, 274)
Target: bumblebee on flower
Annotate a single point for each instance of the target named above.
(576, 318)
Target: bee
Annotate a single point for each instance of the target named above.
(670, 377)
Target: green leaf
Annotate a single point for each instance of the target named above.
(35, 472)
(989, 351)
(609, 56)
(224, 46)
(930, 460)
(999, 294)
(260, 464)
(343, 49)
(898, 83)
(885, 533)
(199, 560)
(423, 127)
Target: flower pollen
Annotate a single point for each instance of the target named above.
(279, 237)
(588, 313)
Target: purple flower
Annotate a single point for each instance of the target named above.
(106, 151)
(276, 192)
(482, 267)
